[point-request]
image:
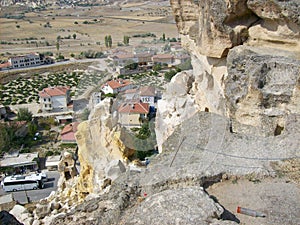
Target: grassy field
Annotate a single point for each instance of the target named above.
(38, 31)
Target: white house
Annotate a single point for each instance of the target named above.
(116, 86)
(147, 95)
(24, 61)
(55, 98)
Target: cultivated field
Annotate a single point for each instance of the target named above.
(82, 28)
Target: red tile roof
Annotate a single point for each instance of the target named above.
(134, 107)
(72, 127)
(114, 84)
(5, 65)
(54, 91)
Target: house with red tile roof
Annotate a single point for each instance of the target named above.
(55, 98)
(5, 66)
(116, 86)
(133, 113)
(68, 133)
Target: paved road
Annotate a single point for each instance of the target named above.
(35, 195)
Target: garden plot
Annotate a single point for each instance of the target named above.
(25, 90)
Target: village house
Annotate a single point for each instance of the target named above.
(52, 162)
(55, 98)
(116, 86)
(145, 94)
(123, 59)
(163, 59)
(181, 58)
(144, 58)
(143, 49)
(68, 133)
(133, 113)
(20, 162)
(176, 46)
(24, 61)
(5, 66)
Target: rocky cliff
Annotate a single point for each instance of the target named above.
(245, 57)
(98, 144)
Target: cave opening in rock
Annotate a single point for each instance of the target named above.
(206, 109)
(67, 175)
(278, 130)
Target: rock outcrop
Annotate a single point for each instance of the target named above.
(246, 63)
(98, 144)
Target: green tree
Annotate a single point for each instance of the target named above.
(109, 41)
(106, 41)
(5, 137)
(32, 129)
(74, 36)
(157, 67)
(24, 114)
(170, 74)
(164, 37)
(57, 46)
(126, 40)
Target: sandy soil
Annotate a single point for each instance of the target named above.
(277, 198)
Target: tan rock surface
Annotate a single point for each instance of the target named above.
(98, 145)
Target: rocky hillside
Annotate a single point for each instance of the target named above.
(235, 116)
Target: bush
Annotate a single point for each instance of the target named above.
(170, 74)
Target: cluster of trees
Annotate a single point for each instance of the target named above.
(9, 138)
(168, 75)
(91, 54)
(108, 41)
(143, 140)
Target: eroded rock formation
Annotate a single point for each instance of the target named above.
(98, 144)
(246, 63)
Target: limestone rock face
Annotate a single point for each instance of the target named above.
(172, 111)
(246, 63)
(98, 145)
(262, 89)
(215, 26)
(152, 210)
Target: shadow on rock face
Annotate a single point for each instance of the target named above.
(7, 219)
(226, 215)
